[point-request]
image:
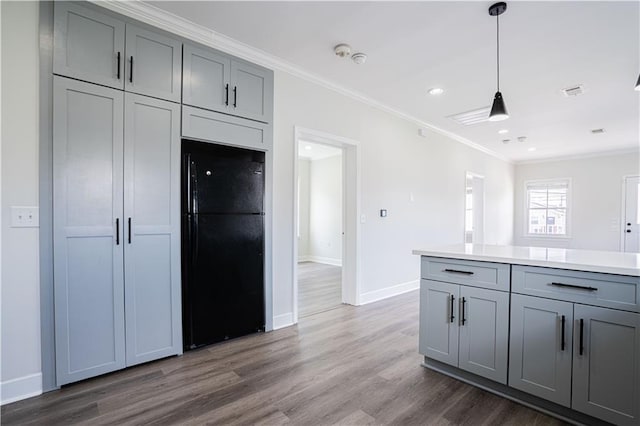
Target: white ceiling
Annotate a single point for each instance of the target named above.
(313, 151)
(413, 46)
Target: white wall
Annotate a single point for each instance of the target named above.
(595, 199)
(20, 316)
(304, 205)
(325, 210)
(395, 163)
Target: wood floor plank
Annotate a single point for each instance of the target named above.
(319, 288)
(345, 366)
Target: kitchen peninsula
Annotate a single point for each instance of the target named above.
(555, 329)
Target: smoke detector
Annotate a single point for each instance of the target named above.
(342, 50)
(522, 138)
(359, 58)
(576, 90)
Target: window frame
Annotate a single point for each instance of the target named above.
(569, 210)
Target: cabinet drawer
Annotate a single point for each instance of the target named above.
(591, 288)
(477, 274)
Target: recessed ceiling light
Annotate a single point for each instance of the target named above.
(308, 148)
(533, 148)
(503, 131)
(436, 91)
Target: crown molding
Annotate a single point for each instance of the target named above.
(151, 15)
(583, 156)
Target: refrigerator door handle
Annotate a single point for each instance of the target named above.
(193, 180)
(194, 238)
(187, 180)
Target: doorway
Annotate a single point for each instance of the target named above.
(326, 222)
(474, 208)
(631, 228)
(319, 233)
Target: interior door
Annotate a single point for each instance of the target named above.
(152, 224)
(153, 64)
(205, 79)
(484, 332)
(540, 347)
(88, 45)
(632, 214)
(249, 92)
(87, 229)
(606, 364)
(439, 321)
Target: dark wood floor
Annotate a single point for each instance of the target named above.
(350, 366)
(319, 288)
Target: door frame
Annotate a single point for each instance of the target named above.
(350, 212)
(623, 208)
(473, 175)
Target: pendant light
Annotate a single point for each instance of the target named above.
(638, 85)
(498, 109)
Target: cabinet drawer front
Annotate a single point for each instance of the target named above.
(611, 291)
(477, 274)
(224, 129)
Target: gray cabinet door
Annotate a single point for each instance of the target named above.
(87, 229)
(484, 332)
(153, 64)
(251, 94)
(152, 228)
(87, 45)
(540, 349)
(438, 321)
(205, 79)
(606, 364)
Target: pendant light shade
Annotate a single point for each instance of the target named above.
(498, 109)
(638, 84)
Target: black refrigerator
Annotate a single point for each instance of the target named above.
(222, 242)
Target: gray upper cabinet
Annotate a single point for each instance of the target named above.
(540, 353)
(215, 81)
(205, 79)
(152, 228)
(251, 91)
(153, 64)
(88, 45)
(87, 229)
(606, 364)
(484, 332)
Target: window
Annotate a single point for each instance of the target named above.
(547, 207)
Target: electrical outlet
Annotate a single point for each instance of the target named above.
(24, 217)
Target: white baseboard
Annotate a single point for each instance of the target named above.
(320, 259)
(304, 258)
(21, 388)
(374, 296)
(282, 321)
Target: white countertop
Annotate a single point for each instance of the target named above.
(610, 262)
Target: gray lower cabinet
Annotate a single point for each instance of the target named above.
(606, 364)
(153, 64)
(540, 353)
(88, 229)
(466, 327)
(152, 228)
(116, 229)
(88, 45)
(217, 82)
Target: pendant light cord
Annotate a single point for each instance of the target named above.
(498, 50)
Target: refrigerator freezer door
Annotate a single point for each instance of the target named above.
(225, 179)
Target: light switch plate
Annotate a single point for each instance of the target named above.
(24, 217)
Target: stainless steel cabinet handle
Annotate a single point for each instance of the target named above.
(457, 271)
(579, 287)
